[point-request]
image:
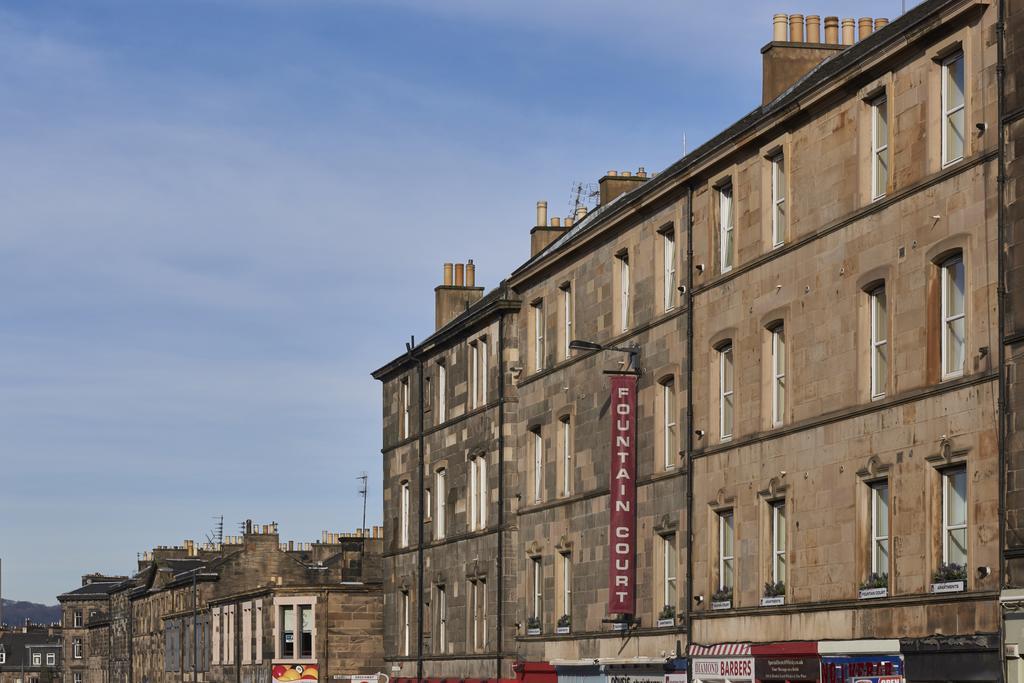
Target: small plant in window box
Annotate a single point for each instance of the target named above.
(533, 626)
(875, 586)
(949, 578)
(774, 594)
(667, 616)
(564, 625)
(722, 599)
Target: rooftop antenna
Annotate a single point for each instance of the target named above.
(362, 491)
(582, 194)
(216, 537)
(684, 143)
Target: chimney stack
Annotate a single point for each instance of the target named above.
(455, 295)
(542, 213)
(614, 184)
(796, 48)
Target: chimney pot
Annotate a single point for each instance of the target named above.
(625, 173)
(813, 28)
(459, 275)
(470, 274)
(581, 211)
(779, 28)
(542, 213)
(796, 28)
(556, 222)
(832, 30)
(864, 28)
(612, 173)
(567, 223)
(641, 172)
(879, 23)
(447, 275)
(848, 29)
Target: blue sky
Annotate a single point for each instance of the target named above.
(220, 216)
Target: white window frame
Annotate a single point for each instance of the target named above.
(51, 659)
(478, 613)
(567, 320)
(876, 488)
(442, 617)
(723, 559)
(726, 393)
(778, 523)
(538, 335)
(565, 426)
(566, 583)
(949, 319)
(3, 657)
(538, 587)
(483, 371)
(668, 422)
(77, 618)
(778, 200)
(670, 565)
(440, 493)
(478, 492)
(442, 392)
(297, 603)
(947, 525)
(668, 249)
(404, 502)
(76, 648)
(474, 375)
(405, 408)
(778, 359)
(538, 465)
(406, 627)
(37, 659)
(624, 293)
(879, 342)
(948, 112)
(879, 147)
(726, 231)
(77, 677)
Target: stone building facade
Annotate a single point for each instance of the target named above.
(824, 300)
(31, 654)
(85, 619)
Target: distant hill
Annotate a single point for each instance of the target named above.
(17, 611)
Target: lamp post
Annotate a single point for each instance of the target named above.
(632, 351)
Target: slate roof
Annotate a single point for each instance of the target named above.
(91, 591)
(13, 644)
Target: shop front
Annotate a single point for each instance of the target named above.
(786, 662)
(952, 658)
(638, 670)
(677, 670)
(723, 663)
(861, 661)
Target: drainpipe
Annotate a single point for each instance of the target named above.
(1001, 305)
(501, 490)
(419, 539)
(689, 421)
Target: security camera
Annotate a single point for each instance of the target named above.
(700, 267)
(984, 572)
(699, 433)
(981, 126)
(698, 599)
(682, 289)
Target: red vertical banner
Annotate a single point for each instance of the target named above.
(622, 506)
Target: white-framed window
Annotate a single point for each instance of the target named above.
(778, 200)
(478, 613)
(726, 552)
(565, 429)
(406, 627)
(670, 563)
(405, 408)
(483, 370)
(538, 335)
(566, 290)
(247, 633)
(51, 659)
(954, 516)
(669, 443)
(478, 492)
(538, 466)
(623, 264)
(953, 112)
(879, 342)
(879, 146)
(3, 657)
(77, 677)
(442, 618)
(778, 533)
(954, 323)
(726, 392)
(725, 228)
(440, 493)
(442, 392)
(295, 626)
(668, 251)
(880, 527)
(537, 586)
(474, 375)
(76, 648)
(566, 559)
(37, 659)
(78, 618)
(778, 348)
(404, 522)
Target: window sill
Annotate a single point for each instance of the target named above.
(296, 660)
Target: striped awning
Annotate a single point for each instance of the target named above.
(721, 650)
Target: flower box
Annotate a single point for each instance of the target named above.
(533, 631)
(949, 587)
(665, 623)
(871, 593)
(773, 600)
(721, 604)
(562, 630)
